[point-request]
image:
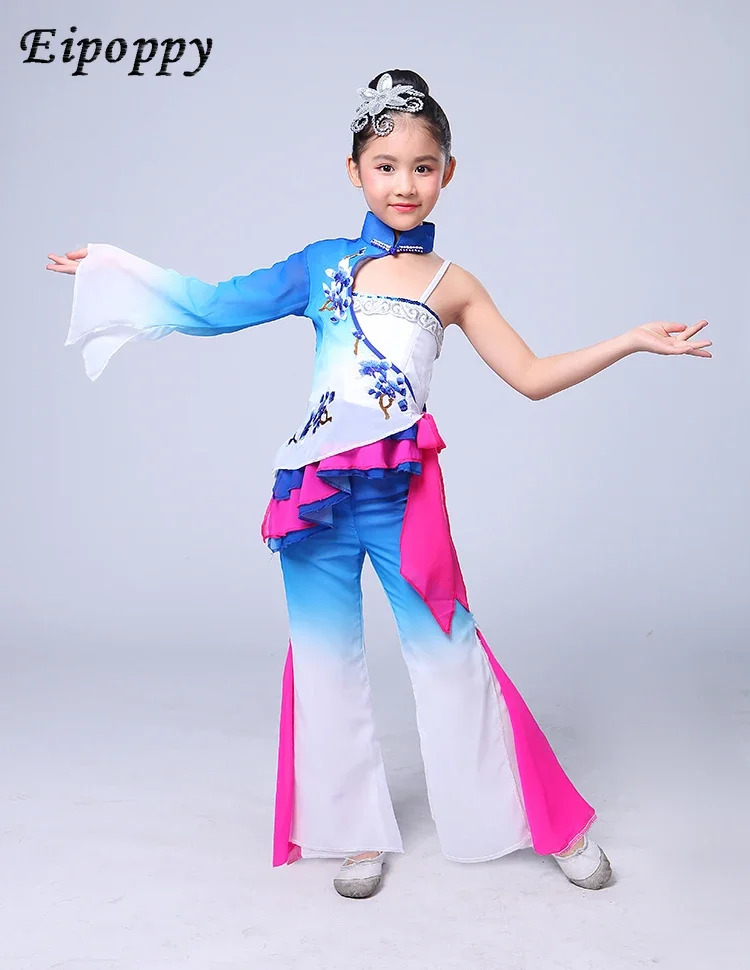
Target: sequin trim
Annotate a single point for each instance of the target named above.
(398, 248)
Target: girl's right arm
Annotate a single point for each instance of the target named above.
(118, 297)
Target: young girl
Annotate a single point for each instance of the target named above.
(360, 475)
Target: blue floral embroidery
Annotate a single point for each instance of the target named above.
(339, 293)
(318, 417)
(386, 390)
(338, 296)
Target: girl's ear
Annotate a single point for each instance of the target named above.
(352, 170)
(450, 168)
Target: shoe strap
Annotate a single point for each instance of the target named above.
(564, 858)
(351, 862)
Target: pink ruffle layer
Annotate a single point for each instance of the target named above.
(317, 491)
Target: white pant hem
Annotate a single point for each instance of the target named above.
(524, 844)
(336, 853)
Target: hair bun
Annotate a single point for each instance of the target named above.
(404, 77)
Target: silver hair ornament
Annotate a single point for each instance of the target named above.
(401, 97)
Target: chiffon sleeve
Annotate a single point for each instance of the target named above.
(118, 297)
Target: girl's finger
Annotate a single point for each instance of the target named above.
(62, 260)
(77, 253)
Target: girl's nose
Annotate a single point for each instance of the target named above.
(405, 187)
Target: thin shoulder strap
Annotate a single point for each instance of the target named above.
(435, 280)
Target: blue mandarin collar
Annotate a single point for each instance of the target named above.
(420, 239)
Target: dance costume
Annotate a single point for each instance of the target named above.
(360, 476)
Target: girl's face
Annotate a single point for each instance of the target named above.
(401, 174)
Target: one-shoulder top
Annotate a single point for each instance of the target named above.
(374, 353)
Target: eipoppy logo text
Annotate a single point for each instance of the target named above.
(37, 43)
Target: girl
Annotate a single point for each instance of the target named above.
(360, 475)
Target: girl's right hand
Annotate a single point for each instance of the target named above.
(67, 263)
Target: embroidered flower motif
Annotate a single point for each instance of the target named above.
(338, 297)
(402, 97)
(318, 417)
(387, 390)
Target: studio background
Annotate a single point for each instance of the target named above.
(601, 183)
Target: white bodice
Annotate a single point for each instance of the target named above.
(372, 376)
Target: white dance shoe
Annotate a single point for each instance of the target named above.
(587, 867)
(360, 878)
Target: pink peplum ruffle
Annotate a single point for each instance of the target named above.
(324, 483)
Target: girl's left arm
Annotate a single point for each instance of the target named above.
(503, 349)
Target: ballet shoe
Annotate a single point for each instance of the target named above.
(358, 879)
(587, 867)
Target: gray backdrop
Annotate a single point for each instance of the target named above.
(603, 154)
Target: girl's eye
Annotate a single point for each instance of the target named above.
(425, 168)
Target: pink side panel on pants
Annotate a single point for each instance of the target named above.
(557, 814)
(285, 851)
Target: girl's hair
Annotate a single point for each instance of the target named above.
(432, 115)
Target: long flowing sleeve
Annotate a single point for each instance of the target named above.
(118, 297)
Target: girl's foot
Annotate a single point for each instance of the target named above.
(585, 864)
(360, 875)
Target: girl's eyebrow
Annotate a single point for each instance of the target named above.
(392, 158)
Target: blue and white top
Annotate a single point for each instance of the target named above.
(373, 353)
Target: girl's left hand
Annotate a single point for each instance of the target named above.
(657, 338)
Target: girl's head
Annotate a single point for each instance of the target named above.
(402, 173)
